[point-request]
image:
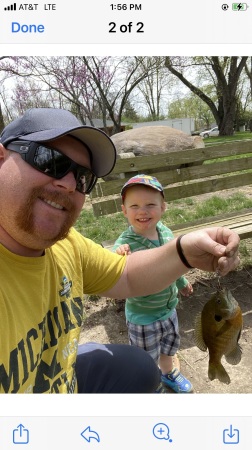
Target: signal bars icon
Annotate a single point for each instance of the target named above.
(12, 7)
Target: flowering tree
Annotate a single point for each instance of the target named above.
(90, 87)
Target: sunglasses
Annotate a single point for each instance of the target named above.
(53, 163)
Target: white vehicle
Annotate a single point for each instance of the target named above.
(213, 132)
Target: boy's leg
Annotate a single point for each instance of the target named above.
(115, 368)
(170, 342)
(176, 361)
(167, 362)
(169, 347)
(147, 337)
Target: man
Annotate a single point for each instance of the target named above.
(48, 163)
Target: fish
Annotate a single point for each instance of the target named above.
(218, 329)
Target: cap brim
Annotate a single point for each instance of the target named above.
(100, 145)
(141, 184)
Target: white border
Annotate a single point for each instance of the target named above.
(127, 49)
(63, 405)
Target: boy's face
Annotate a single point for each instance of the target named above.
(143, 207)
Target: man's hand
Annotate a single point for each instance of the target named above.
(212, 249)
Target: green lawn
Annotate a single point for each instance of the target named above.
(237, 136)
(100, 229)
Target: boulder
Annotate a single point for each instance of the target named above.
(154, 140)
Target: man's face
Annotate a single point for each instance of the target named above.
(37, 210)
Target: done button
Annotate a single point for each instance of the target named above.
(16, 27)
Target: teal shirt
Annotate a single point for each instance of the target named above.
(149, 308)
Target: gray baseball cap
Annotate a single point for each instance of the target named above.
(46, 124)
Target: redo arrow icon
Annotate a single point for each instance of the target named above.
(89, 434)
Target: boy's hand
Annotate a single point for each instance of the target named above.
(187, 290)
(123, 249)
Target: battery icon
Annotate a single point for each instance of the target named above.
(239, 6)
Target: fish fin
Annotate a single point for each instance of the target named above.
(218, 371)
(198, 337)
(234, 357)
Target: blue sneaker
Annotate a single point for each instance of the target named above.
(177, 382)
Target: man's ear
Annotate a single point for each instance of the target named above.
(2, 153)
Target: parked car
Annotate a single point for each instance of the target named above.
(213, 132)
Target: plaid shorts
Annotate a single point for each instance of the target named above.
(161, 336)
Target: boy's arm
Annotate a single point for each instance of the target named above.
(181, 282)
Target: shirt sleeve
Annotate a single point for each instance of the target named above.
(100, 268)
(181, 282)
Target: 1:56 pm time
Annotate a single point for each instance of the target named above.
(124, 6)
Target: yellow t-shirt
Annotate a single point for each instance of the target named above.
(41, 304)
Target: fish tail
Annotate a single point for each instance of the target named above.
(218, 371)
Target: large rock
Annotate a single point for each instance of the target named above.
(150, 141)
(154, 140)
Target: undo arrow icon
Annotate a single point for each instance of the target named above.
(89, 434)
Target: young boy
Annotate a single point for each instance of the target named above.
(152, 320)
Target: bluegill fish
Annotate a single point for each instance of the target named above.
(218, 329)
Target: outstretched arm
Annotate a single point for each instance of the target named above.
(150, 271)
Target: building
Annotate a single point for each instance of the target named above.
(98, 123)
(186, 125)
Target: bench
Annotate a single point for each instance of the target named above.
(186, 173)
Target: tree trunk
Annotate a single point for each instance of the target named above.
(226, 89)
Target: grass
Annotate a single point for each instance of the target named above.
(245, 253)
(100, 229)
(238, 136)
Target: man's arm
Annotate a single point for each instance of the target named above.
(150, 271)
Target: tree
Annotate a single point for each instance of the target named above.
(129, 112)
(125, 75)
(154, 86)
(90, 87)
(225, 73)
(191, 106)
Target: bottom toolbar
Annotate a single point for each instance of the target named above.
(111, 433)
